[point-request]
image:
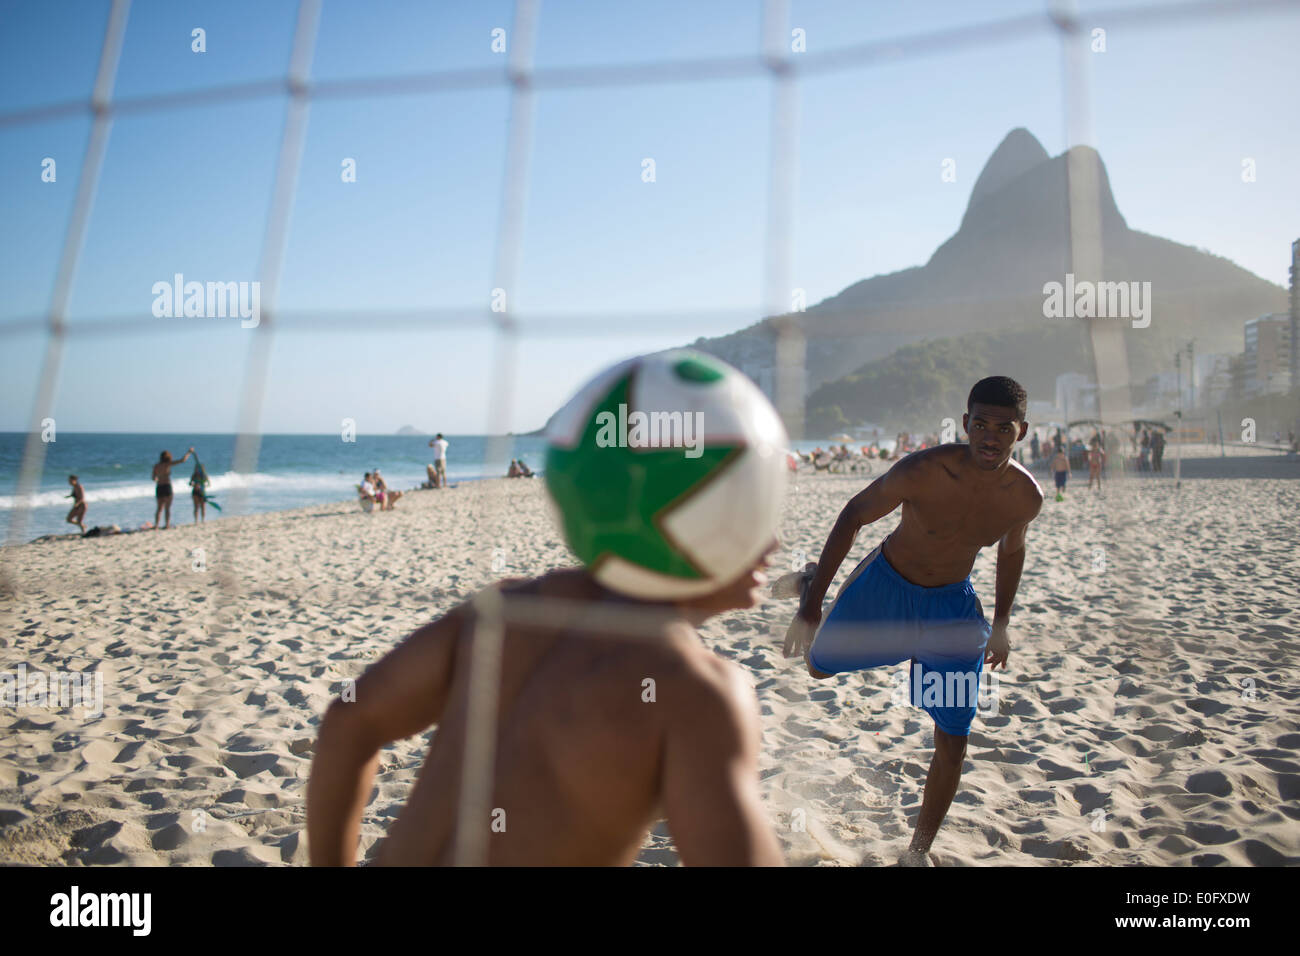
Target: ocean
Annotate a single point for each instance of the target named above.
(293, 471)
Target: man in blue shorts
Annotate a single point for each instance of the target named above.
(911, 598)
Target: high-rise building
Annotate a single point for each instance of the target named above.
(1268, 354)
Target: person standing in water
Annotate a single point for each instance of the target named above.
(162, 492)
(78, 513)
(198, 491)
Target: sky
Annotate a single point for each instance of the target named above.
(1174, 108)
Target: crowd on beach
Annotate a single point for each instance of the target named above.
(844, 458)
(1146, 449)
(373, 489)
(163, 494)
(1145, 453)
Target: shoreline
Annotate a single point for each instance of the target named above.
(342, 504)
(1256, 467)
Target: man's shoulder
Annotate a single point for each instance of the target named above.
(1024, 486)
(928, 460)
(715, 695)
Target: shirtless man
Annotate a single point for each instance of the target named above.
(78, 513)
(911, 597)
(162, 492)
(1060, 472)
(584, 762)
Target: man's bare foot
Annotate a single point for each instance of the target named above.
(911, 857)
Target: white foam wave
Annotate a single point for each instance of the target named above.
(341, 484)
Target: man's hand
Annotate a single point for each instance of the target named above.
(799, 635)
(999, 646)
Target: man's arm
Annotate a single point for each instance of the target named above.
(400, 695)
(871, 504)
(710, 778)
(1011, 562)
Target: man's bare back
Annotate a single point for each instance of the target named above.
(584, 764)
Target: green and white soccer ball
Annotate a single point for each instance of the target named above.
(669, 472)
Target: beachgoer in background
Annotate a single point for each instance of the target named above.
(1157, 450)
(525, 470)
(1061, 472)
(162, 492)
(1034, 448)
(386, 497)
(439, 446)
(368, 492)
(1144, 463)
(513, 471)
(198, 492)
(1096, 458)
(78, 513)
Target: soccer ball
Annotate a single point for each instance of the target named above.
(668, 471)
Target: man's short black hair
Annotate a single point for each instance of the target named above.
(1002, 391)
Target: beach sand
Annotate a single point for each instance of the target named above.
(1149, 715)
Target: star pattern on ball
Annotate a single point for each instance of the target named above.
(614, 498)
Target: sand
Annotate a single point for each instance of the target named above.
(1149, 714)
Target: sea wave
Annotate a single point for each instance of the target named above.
(303, 482)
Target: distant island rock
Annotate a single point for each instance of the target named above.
(409, 430)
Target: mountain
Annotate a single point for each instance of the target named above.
(408, 431)
(1015, 237)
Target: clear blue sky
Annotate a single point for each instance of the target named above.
(1175, 109)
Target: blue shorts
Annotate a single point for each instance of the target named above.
(1060, 478)
(879, 618)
